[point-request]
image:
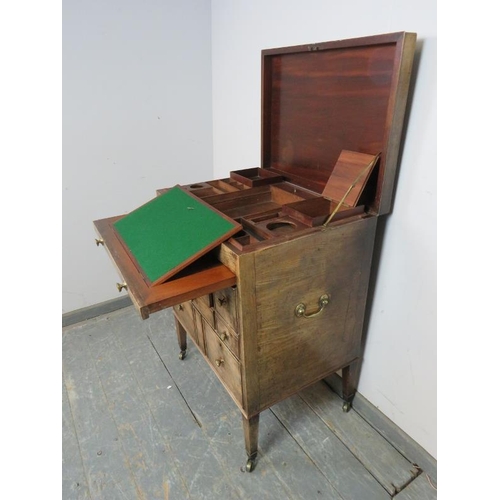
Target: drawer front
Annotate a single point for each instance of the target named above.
(228, 336)
(204, 306)
(223, 362)
(226, 305)
(200, 336)
(185, 314)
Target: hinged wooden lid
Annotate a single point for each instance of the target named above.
(320, 99)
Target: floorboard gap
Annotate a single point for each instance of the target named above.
(175, 383)
(400, 489)
(71, 412)
(343, 444)
(305, 453)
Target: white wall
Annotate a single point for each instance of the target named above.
(399, 369)
(136, 117)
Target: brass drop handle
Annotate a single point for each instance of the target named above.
(99, 241)
(219, 362)
(222, 300)
(223, 336)
(300, 309)
(121, 286)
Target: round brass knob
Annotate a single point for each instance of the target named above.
(181, 307)
(222, 300)
(223, 336)
(219, 362)
(121, 286)
(99, 241)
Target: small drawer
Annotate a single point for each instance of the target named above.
(227, 335)
(200, 336)
(185, 314)
(204, 305)
(225, 365)
(226, 305)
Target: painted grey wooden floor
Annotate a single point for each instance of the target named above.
(138, 423)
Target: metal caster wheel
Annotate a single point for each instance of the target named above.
(346, 406)
(250, 465)
(182, 355)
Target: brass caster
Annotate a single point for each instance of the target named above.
(250, 465)
(346, 406)
(182, 355)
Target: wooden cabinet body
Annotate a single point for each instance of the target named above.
(281, 304)
(272, 352)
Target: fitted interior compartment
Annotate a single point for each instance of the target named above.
(257, 176)
(227, 185)
(256, 200)
(272, 225)
(315, 211)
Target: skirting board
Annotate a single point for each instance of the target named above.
(90, 312)
(391, 432)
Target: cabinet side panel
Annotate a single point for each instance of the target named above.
(292, 351)
(245, 272)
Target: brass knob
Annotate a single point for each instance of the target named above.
(99, 241)
(181, 307)
(222, 300)
(219, 362)
(223, 336)
(121, 286)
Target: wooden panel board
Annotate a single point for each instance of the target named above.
(389, 430)
(419, 489)
(351, 169)
(328, 452)
(171, 231)
(158, 431)
(74, 480)
(106, 464)
(383, 461)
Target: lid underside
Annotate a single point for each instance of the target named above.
(319, 100)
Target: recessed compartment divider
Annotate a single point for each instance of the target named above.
(315, 211)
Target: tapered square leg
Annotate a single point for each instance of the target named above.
(350, 378)
(181, 339)
(251, 433)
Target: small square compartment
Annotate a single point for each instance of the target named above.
(315, 211)
(257, 176)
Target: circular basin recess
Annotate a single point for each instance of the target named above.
(195, 186)
(281, 226)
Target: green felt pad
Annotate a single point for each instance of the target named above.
(169, 230)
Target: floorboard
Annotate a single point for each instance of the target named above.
(74, 481)
(282, 466)
(350, 478)
(382, 460)
(420, 489)
(139, 424)
(106, 463)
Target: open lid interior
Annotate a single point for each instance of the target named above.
(320, 99)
